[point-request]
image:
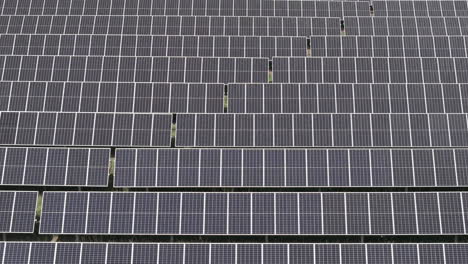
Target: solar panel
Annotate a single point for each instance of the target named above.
(111, 97)
(195, 8)
(84, 129)
(42, 252)
(134, 69)
(54, 166)
(420, 8)
(171, 25)
(347, 98)
(145, 45)
(389, 46)
(17, 211)
(141, 168)
(397, 26)
(369, 70)
(321, 130)
(127, 213)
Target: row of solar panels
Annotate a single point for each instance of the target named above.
(290, 167)
(241, 8)
(142, 213)
(388, 46)
(234, 130)
(229, 46)
(241, 98)
(369, 70)
(126, 213)
(408, 26)
(171, 25)
(233, 70)
(233, 26)
(235, 167)
(211, 8)
(130, 45)
(192, 253)
(419, 8)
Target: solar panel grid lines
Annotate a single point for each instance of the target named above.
(129, 213)
(408, 26)
(117, 97)
(54, 166)
(196, 8)
(85, 129)
(171, 25)
(17, 211)
(178, 253)
(420, 8)
(369, 70)
(347, 98)
(134, 69)
(389, 46)
(322, 130)
(146, 45)
(140, 168)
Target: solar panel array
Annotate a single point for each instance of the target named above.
(322, 130)
(84, 129)
(134, 69)
(179, 253)
(145, 45)
(191, 8)
(370, 70)
(54, 166)
(291, 167)
(111, 97)
(389, 46)
(348, 98)
(420, 8)
(128, 213)
(407, 26)
(249, 115)
(171, 25)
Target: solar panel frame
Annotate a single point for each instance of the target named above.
(248, 210)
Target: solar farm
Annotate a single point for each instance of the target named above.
(234, 131)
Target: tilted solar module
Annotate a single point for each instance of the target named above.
(133, 69)
(84, 129)
(129, 213)
(145, 45)
(179, 253)
(389, 46)
(347, 98)
(420, 8)
(17, 211)
(291, 168)
(192, 8)
(171, 25)
(321, 130)
(111, 97)
(54, 166)
(409, 26)
(369, 70)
